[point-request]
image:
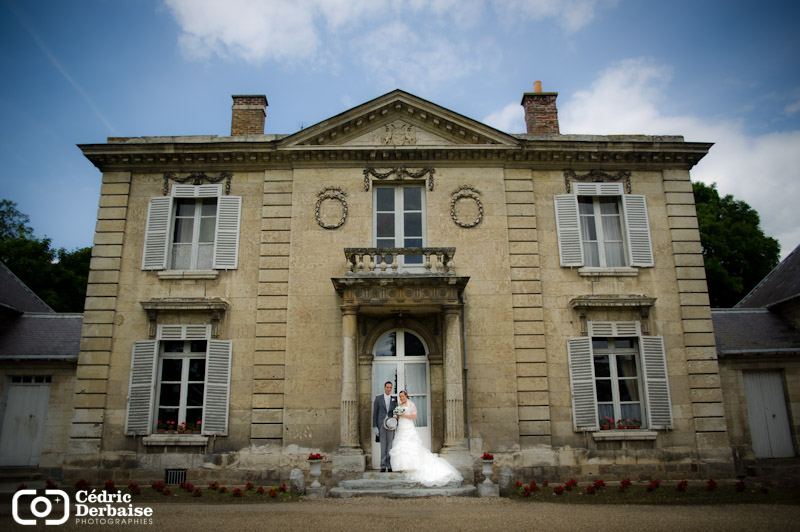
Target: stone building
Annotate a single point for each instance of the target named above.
(261, 288)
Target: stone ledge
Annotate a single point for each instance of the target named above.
(607, 272)
(175, 440)
(624, 435)
(188, 274)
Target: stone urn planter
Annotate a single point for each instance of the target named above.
(315, 468)
(487, 470)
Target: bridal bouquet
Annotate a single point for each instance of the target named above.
(399, 410)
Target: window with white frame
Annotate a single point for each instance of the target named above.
(195, 228)
(601, 227)
(183, 376)
(617, 372)
(399, 219)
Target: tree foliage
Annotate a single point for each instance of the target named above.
(57, 276)
(736, 252)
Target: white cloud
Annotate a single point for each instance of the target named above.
(758, 169)
(572, 15)
(510, 119)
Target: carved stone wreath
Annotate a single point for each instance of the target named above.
(464, 195)
(400, 173)
(598, 176)
(331, 194)
(197, 178)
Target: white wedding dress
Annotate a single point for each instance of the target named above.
(410, 455)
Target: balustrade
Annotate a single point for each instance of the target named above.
(387, 261)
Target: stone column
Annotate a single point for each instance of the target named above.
(348, 435)
(453, 381)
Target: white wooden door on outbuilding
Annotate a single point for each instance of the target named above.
(24, 416)
(766, 409)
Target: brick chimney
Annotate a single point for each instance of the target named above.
(541, 115)
(249, 112)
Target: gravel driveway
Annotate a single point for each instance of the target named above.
(449, 514)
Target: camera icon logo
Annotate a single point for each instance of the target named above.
(45, 502)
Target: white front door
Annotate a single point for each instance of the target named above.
(401, 358)
(24, 416)
(766, 410)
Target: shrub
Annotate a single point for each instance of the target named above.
(682, 485)
(197, 493)
(711, 485)
(558, 490)
(249, 486)
(237, 492)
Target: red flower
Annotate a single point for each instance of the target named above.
(711, 485)
(223, 489)
(197, 493)
(558, 490)
(488, 456)
(626, 482)
(599, 483)
(272, 492)
(518, 484)
(166, 491)
(315, 456)
(261, 490)
(249, 486)
(526, 491)
(282, 488)
(682, 485)
(591, 489)
(237, 492)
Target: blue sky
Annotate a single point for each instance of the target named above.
(77, 72)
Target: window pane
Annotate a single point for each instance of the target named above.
(626, 366)
(207, 229)
(197, 369)
(383, 373)
(197, 346)
(386, 243)
(412, 198)
(603, 388)
(412, 224)
(185, 207)
(205, 256)
(605, 411)
(170, 395)
(416, 378)
(585, 205)
(387, 347)
(609, 205)
(183, 230)
(628, 390)
(173, 346)
(385, 199)
(599, 343)
(624, 343)
(413, 345)
(588, 229)
(209, 207)
(422, 410)
(385, 225)
(601, 367)
(181, 256)
(591, 254)
(195, 395)
(615, 254)
(612, 228)
(194, 415)
(171, 369)
(632, 411)
(168, 414)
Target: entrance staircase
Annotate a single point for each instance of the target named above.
(396, 486)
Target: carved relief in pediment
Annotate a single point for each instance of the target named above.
(399, 133)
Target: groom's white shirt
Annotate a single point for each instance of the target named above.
(387, 398)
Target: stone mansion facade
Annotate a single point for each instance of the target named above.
(259, 289)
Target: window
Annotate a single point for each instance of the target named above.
(196, 228)
(181, 382)
(399, 220)
(619, 373)
(600, 227)
(182, 376)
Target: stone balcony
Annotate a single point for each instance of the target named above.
(381, 279)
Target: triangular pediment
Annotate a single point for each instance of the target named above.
(398, 119)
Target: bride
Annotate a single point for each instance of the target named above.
(409, 454)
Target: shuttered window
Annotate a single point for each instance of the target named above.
(617, 373)
(599, 226)
(183, 377)
(196, 228)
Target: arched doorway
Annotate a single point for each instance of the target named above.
(401, 357)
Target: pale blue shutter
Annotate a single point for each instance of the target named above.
(217, 387)
(156, 233)
(656, 385)
(226, 242)
(640, 248)
(570, 248)
(581, 378)
(139, 416)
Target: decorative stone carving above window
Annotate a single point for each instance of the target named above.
(214, 306)
(197, 178)
(616, 301)
(399, 134)
(597, 176)
(329, 215)
(466, 208)
(399, 173)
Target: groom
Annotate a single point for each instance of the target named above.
(382, 408)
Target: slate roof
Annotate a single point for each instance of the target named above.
(41, 336)
(16, 296)
(754, 332)
(780, 285)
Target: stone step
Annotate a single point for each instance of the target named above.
(19, 474)
(404, 493)
(387, 483)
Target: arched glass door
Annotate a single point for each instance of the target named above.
(401, 358)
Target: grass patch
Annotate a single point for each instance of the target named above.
(696, 493)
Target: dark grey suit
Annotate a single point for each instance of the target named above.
(379, 413)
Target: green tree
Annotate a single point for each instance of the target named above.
(736, 252)
(57, 276)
